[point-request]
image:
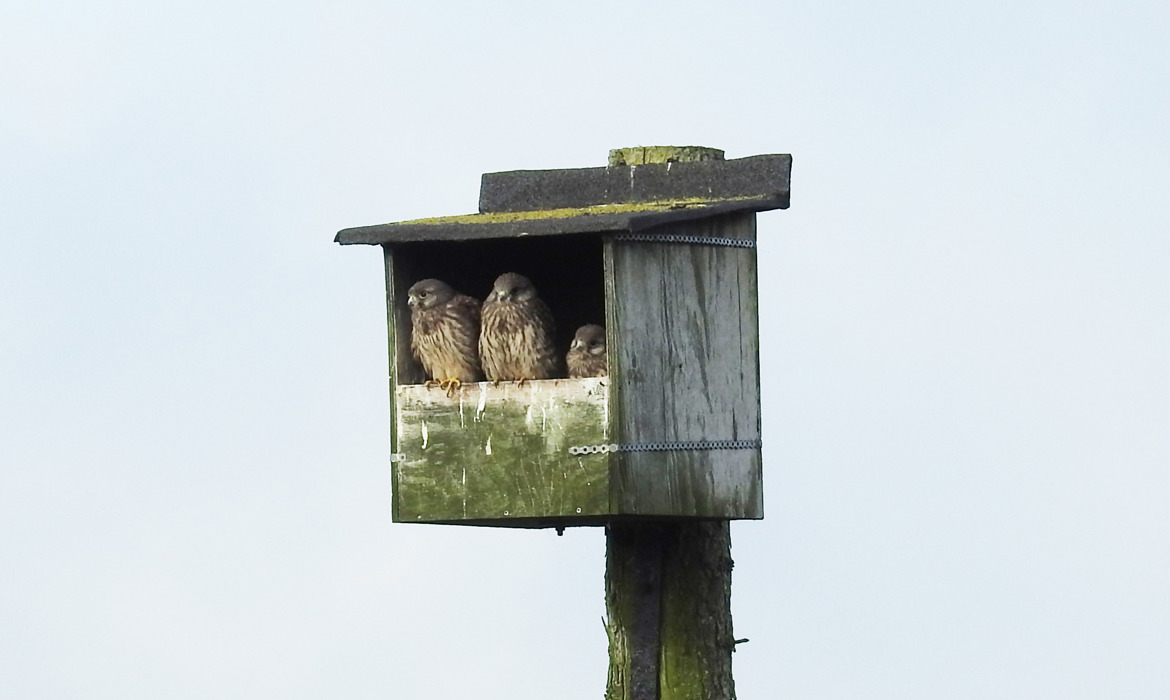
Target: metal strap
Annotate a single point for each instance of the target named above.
(668, 446)
(649, 447)
(679, 238)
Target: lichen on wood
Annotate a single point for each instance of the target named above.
(501, 451)
(697, 639)
(644, 155)
(668, 606)
(570, 212)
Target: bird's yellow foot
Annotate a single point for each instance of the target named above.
(431, 383)
(451, 385)
(521, 381)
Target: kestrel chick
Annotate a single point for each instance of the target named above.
(444, 332)
(586, 356)
(516, 339)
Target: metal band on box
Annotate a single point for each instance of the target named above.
(649, 447)
(693, 240)
(668, 446)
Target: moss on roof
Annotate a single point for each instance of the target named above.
(566, 213)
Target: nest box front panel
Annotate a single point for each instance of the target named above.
(493, 452)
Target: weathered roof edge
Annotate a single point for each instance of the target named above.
(589, 200)
(594, 219)
(529, 190)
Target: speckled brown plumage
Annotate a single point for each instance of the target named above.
(444, 331)
(516, 336)
(586, 356)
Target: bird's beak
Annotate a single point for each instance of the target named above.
(411, 301)
(575, 345)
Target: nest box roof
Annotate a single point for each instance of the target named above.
(590, 200)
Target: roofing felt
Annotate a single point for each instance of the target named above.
(589, 200)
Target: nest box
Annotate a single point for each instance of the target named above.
(659, 247)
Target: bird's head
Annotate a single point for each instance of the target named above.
(513, 287)
(429, 293)
(590, 339)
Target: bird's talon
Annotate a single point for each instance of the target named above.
(451, 385)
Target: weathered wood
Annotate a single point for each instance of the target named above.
(668, 608)
(764, 176)
(697, 638)
(404, 369)
(633, 603)
(501, 451)
(394, 325)
(684, 358)
(556, 222)
(695, 376)
(643, 155)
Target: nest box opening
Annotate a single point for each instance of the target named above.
(567, 271)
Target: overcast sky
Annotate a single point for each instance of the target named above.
(965, 317)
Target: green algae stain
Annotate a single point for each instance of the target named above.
(498, 453)
(571, 212)
(647, 155)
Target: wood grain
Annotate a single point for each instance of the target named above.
(684, 356)
(668, 610)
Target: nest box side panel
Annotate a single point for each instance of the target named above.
(393, 324)
(501, 452)
(684, 350)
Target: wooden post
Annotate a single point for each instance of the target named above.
(668, 599)
(668, 583)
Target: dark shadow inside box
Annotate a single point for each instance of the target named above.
(567, 271)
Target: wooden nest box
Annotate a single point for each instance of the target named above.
(659, 247)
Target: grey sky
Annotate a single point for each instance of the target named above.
(965, 316)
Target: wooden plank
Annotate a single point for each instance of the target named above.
(684, 352)
(765, 176)
(556, 222)
(394, 326)
(499, 452)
